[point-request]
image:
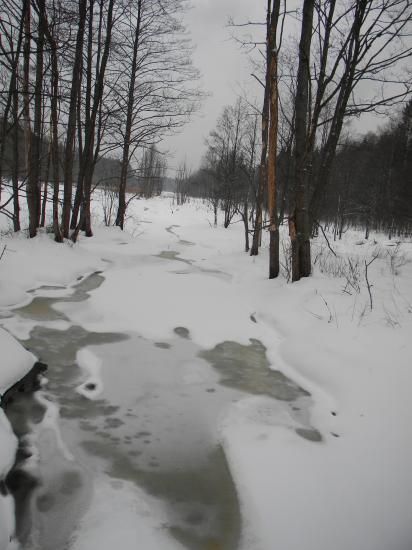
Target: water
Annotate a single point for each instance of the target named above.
(154, 425)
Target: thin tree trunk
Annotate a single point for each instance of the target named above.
(129, 122)
(273, 135)
(54, 118)
(87, 165)
(78, 199)
(246, 224)
(71, 123)
(30, 193)
(46, 186)
(15, 172)
(34, 164)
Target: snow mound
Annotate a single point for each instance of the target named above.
(93, 386)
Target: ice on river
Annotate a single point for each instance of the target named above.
(330, 472)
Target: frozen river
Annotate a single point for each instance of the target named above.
(140, 412)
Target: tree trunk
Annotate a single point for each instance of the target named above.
(78, 199)
(299, 227)
(54, 144)
(121, 212)
(33, 183)
(257, 231)
(87, 165)
(246, 224)
(45, 186)
(15, 170)
(30, 193)
(71, 123)
(273, 135)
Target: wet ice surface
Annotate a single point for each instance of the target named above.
(173, 255)
(155, 425)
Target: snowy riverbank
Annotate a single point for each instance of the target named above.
(173, 269)
(15, 364)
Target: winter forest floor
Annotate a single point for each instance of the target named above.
(192, 403)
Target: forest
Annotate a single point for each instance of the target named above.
(70, 97)
(90, 88)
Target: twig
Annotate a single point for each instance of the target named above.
(3, 251)
(367, 264)
(328, 308)
(327, 241)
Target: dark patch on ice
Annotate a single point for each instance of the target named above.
(309, 434)
(139, 435)
(247, 368)
(113, 422)
(71, 482)
(162, 345)
(183, 332)
(45, 502)
(87, 426)
(172, 255)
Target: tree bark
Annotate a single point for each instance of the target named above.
(129, 121)
(87, 165)
(257, 231)
(15, 170)
(54, 108)
(33, 183)
(71, 123)
(78, 199)
(30, 193)
(299, 228)
(273, 136)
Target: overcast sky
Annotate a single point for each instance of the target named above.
(224, 68)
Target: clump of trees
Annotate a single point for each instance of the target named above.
(370, 181)
(82, 80)
(228, 175)
(349, 59)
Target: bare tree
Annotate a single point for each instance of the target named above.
(71, 122)
(88, 161)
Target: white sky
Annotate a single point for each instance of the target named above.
(226, 70)
(224, 67)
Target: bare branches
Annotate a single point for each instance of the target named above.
(326, 239)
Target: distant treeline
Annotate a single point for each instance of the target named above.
(370, 186)
(107, 170)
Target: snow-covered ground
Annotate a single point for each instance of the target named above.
(15, 363)
(172, 268)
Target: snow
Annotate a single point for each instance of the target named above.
(132, 522)
(14, 365)
(93, 386)
(173, 269)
